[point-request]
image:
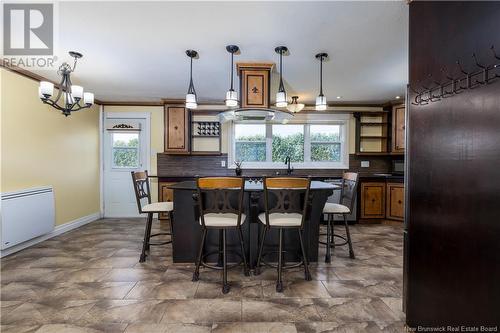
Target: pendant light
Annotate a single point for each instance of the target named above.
(191, 93)
(231, 95)
(321, 99)
(281, 100)
(295, 106)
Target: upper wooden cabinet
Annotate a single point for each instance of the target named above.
(176, 130)
(398, 129)
(255, 79)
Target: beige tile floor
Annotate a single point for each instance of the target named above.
(90, 280)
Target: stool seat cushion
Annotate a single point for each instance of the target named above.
(282, 219)
(334, 208)
(222, 219)
(158, 207)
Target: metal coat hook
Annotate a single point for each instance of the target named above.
(492, 48)
(453, 84)
(467, 76)
(484, 70)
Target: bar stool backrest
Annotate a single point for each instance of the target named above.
(140, 181)
(220, 195)
(287, 195)
(349, 189)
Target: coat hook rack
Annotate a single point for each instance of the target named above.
(432, 90)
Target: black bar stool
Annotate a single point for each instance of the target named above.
(220, 202)
(140, 180)
(347, 196)
(287, 203)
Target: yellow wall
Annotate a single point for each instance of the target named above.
(156, 135)
(39, 146)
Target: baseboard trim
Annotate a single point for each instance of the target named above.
(58, 230)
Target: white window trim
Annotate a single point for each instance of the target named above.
(331, 119)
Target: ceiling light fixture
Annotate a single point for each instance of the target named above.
(72, 94)
(321, 99)
(191, 93)
(339, 97)
(281, 100)
(231, 95)
(398, 97)
(295, 106)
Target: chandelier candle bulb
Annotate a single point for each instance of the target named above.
(88, 98)
(46, 88)
(77, 92)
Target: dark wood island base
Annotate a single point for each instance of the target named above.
(187, 229)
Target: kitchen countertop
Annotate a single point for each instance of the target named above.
(253, 186)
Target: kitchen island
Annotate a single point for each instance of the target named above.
(187, 230)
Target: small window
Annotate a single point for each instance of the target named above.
(125, 150)
(288, 141)
(250, 142)
(325, 143)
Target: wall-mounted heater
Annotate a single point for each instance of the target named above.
(26, 214)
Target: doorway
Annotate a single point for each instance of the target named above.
(126, 141)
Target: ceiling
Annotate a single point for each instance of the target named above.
(135, 51)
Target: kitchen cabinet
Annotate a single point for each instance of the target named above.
(176, 130)
(398, 129)
(395, 201)
(373, 200)
(255, 83)
(165, 194)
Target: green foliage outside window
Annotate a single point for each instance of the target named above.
(251, 148)
(290, 145)
(126, 153)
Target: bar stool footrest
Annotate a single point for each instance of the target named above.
(263, 262)
(229, 266)
(336, 244)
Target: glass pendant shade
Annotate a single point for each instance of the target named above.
(88, 98)
(191, 101)
(77, 91)
(46, 89)
(231, 98)
(295, 106)
(281, 101)
(321, 103)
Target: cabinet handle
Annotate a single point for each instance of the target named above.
(399, 202)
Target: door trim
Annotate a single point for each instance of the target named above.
(125, 115)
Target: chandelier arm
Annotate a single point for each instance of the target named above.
(53, 104)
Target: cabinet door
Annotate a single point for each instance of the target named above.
(398, 129)
(395, 201)
(176, 130)
(372, 200)
(165, 194)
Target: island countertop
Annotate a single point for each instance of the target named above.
(251, 186)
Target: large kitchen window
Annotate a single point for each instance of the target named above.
(310, 143)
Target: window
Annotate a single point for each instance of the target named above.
(325, 143)
(250, 142)
(288, 140)
(311, 141)
(125, 150)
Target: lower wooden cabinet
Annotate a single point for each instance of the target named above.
(381, 200)
(165, 194)
(395, 208)
(372, 200)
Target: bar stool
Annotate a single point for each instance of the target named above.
(140, 180)
(287, 203)
(347, 196)
(220, 204)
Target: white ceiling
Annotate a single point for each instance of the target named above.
(136, 50)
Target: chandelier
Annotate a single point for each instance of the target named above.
(69, 96)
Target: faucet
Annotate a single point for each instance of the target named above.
(289, 169)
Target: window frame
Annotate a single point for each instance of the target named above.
(299, 119)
